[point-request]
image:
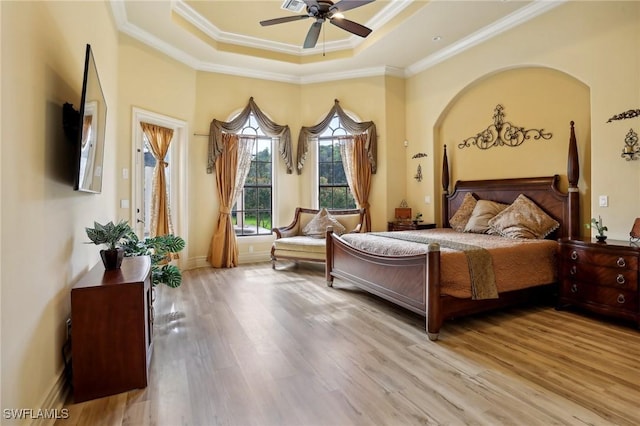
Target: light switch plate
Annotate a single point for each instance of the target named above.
(603, 201)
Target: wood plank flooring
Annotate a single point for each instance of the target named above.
(253, 346)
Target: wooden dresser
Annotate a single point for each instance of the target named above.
(601, 277)
(112, 329)
(408, 225)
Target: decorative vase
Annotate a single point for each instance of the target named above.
(601, 238)
(112, 259)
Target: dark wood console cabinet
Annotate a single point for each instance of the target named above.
(112, 329)
(601, 277)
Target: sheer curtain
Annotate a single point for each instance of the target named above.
(231, 167)
(357, 168)
(159, 142)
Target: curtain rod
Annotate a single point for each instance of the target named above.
(201, 134)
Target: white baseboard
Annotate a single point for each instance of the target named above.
(255, 257)
(54, 400)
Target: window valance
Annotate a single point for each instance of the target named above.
(354, 127)
(269, 127)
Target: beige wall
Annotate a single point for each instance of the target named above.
(533, 98)
(43, 219)
(594, 42)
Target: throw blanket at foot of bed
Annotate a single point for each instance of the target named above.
(483, 280)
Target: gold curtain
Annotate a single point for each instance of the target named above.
(231, 168)
(86, 125)
(159, 142)
(357, 168)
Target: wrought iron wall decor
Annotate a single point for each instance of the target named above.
(631, 149)
(632, 113)
(418, 175)
(502, 133)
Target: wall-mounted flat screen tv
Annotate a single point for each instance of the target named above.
(87, 131)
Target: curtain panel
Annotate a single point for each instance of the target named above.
(232, 167)
(357, 168)
(307, 134)
(269, 127)
(159, 141)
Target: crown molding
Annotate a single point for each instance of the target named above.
(536, 8)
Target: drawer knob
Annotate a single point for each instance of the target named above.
(621, 299)
(574, 255)
(573, 270)
(620, 279)
(621, 263)
(574, 288)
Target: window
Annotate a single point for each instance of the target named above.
(147, 182)
(252, 213)
(333, 189)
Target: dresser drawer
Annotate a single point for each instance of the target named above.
(599, 257)
(598, 295)
(620, 278)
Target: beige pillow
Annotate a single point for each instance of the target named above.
(483, 212)
(459, 220)
(523, 219)
(317, 227)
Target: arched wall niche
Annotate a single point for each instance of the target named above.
(533, 98)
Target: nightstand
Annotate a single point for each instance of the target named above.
(408, 225)
(600, 277)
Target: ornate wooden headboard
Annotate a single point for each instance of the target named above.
(544, 191)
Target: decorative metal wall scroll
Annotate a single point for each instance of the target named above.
(632, 113)
(631, 148)
(418, 175)
(502, 133)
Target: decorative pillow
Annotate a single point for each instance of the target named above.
(459, 220)
(484, 211)
(523, 219)
(317, 227)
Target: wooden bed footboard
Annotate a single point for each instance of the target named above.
(400, 280)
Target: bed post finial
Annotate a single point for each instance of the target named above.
(445, 189)
(445, 171)
(573, 175)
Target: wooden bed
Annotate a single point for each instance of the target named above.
(413, 282)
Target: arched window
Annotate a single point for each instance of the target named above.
(252, 214)
(333, 189)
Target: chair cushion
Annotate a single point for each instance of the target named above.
(301, 243)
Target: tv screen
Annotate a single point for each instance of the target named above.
(90, 134)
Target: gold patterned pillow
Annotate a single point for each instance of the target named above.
(483, 212)
(317, 227)
(459, 220)
(523, 219)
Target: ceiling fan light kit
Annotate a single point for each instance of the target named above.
(322, 10)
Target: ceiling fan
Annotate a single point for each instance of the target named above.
(321, 10)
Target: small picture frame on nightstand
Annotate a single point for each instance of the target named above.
(634, 235)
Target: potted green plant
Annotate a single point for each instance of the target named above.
(600, 228)
(111, 235)
(160, 249)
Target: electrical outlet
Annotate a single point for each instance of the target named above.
(603, 201)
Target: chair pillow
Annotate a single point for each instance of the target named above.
(459, 220)
(482, 213)
(523, 219)
(317, 227)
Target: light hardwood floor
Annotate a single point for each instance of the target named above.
(253, 346)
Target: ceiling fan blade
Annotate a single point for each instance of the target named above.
(343, 5)
(312, 36)
(352, 27)
(283, 20)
